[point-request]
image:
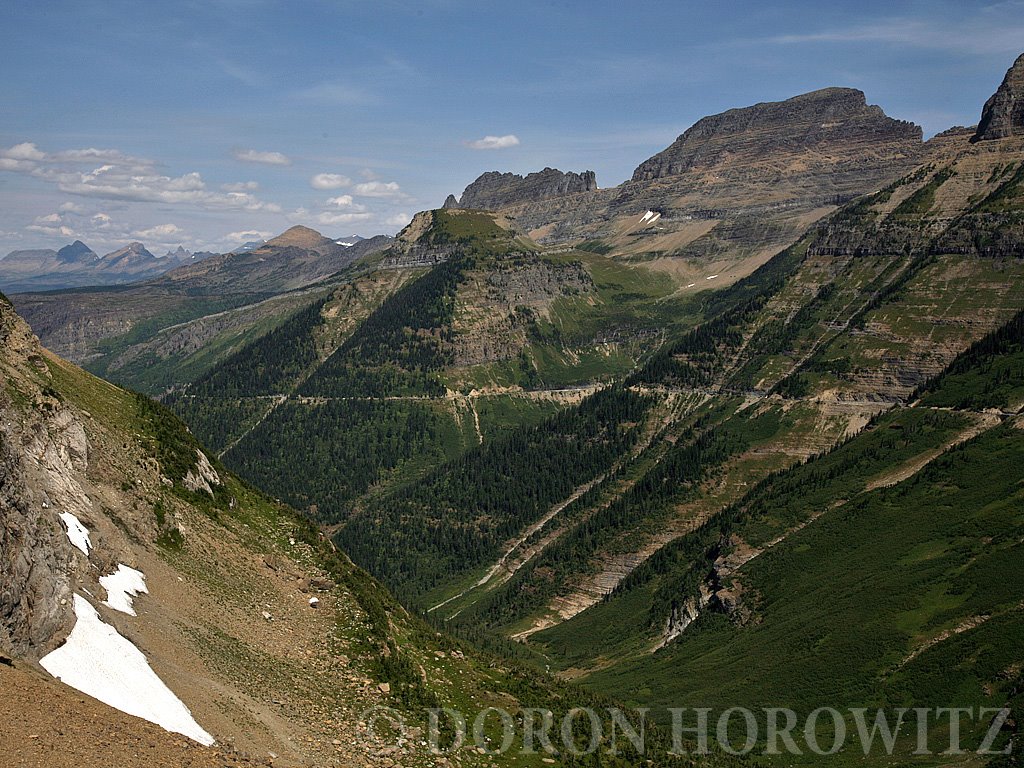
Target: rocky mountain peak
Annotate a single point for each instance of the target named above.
(1003, 114)
(451, 202)
(77, 251)
(180, 254)
(823, 120)
(135, 249)
(299, 237)
(494, 190)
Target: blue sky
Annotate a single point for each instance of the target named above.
(211, 122)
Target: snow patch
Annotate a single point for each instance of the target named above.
(650, 217)
(711, 277)
(100, 663)
(122, 586)
(78, 534)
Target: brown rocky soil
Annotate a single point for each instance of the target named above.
(44, 724)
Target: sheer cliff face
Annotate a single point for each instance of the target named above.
(1003, 115)
(495, 190)
(39, 450)
(834, 121)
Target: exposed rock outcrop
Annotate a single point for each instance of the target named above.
(34, 555)
(493, 190)
(203, 477)
(39, 452)
(832, 118)
(411, 249)
(1003, 114)
(503, 304)
(736, 186)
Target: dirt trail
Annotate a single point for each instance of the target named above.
(277, 401)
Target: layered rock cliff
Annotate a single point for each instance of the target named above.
(37, 452)
(731, 190)
(1003, 114)
(494, 190)
(836, 121)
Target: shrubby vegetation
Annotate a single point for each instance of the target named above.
(270, 365)
(989, 374)
(456, 518)
(327, 454)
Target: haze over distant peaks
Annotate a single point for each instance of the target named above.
(77, 251)
(349, 241)
(77, 265)
(252, 245)
(180, 253)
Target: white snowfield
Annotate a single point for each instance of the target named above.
(78, 534)
(650, 217)
(122, 586)
(100, 663)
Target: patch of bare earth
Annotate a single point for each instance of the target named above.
(44, 724)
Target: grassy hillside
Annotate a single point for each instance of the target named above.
(324, 668)
(860, 578)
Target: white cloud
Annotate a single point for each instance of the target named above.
(398, 220)
(984, 33)
(159, 231)
(246, 236)
(122, 177)
(263, 158)
(494, 142)
(70, 207)
(54, 230)
(92, 155)
(331, 219)
(241, 186)
(342, 201)
(25, 151)
(378, 189)
(329, 181)
(10, 164)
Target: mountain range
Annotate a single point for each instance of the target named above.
(745, 430)
(77, 265)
